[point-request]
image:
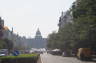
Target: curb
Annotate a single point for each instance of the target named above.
(41, 59)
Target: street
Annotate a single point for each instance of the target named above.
(48, 58)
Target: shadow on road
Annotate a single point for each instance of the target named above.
(93, 60)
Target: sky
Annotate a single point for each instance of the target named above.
(26, 16)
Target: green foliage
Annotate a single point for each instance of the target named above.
(84, 16)
(6, 44)
(23, 58)
(53, 40)
(2, 43)
(9, 44)
(81, 32)
(84, 8)
(20, 56)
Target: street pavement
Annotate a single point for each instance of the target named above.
(48, 58)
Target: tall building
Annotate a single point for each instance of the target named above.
(1, 27)
(38, 41)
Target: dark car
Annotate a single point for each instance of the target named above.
(56, 52)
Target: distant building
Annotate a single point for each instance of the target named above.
(18, 41)
(6, 33)
(4, 30)
(38, 34)
(1, 22)
(38, 41)
(1, 27)
(65, 18)
(22, 42)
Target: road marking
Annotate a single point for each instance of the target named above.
(41, 59)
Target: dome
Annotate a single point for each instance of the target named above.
(38, 34)
(6, 28)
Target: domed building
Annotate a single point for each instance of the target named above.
(6, 28)
(7, 33)
(38, 34)
(38, 41)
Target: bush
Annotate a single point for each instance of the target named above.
(23, 58)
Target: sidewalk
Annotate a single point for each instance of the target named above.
(39, 60)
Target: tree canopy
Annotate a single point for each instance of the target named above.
(81, 32)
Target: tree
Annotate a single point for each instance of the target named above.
(84, 16)
(2, 42)
(53, 41)
(6, 44)
(81, 32)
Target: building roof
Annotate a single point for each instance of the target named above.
(38, 34)
(6, 28)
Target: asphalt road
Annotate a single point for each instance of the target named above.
(48, 58)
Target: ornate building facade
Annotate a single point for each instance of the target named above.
(6, 33)
(38, 41)
(66, 17)
(22, 42)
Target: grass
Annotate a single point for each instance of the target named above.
(20, 56)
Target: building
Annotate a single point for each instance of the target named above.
(22, 42)
(38, 41)
(6, 33)
(1, 27)
(65, 18)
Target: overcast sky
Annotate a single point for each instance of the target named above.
(25, 16)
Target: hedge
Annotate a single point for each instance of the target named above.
(23, 58)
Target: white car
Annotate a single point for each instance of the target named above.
(2, 54)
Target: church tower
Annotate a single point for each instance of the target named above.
(38, 34)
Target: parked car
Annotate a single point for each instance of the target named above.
(3, 52)
(56, 52)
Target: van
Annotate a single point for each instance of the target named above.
(84, 53)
